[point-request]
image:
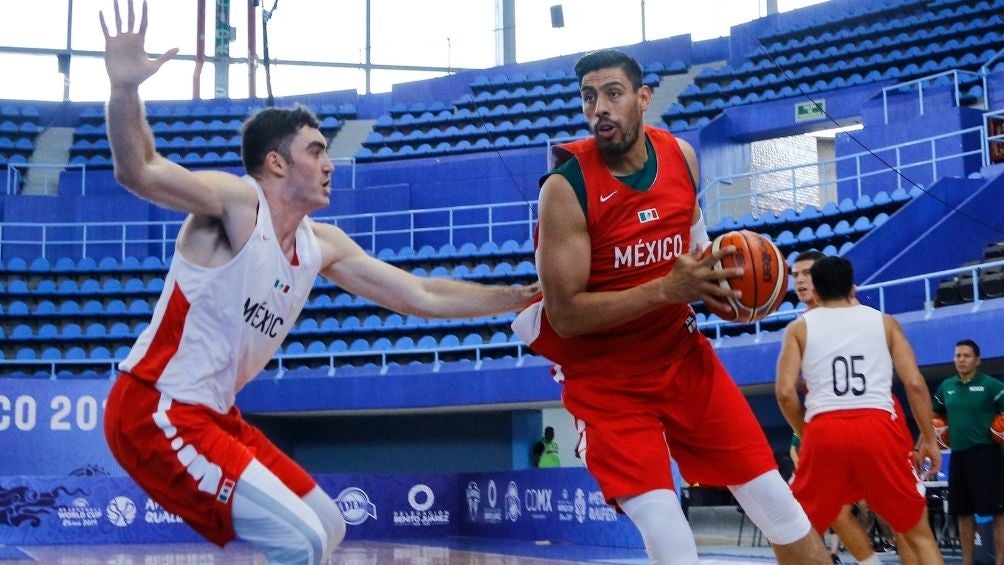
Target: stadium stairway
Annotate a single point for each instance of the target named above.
(51, 146)
(929, 233)
(670, 87)
(350, 138)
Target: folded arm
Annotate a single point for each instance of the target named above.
(564, 256)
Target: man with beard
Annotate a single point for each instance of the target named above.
(619, 245)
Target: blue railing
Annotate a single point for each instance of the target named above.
(716, 328)
(903, 155)
(491, 222)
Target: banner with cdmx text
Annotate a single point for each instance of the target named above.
(559, 505)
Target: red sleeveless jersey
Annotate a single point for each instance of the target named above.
(636, 236)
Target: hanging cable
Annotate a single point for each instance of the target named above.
(266, 15)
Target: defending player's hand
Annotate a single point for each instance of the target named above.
(125, 56)
(693, 279)
(927, 458)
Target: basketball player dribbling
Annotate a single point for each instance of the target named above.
(619, 247)
(852, 444)
(245, 261)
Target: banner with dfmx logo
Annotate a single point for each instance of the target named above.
(382, 506)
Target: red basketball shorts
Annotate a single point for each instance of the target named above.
(851, 455)
(630, 426)
(189, 458)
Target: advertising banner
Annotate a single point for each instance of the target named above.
(54, 427)
(557, 505)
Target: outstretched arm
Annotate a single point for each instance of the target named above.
(917, 393)
(138, 167)
(353, 269)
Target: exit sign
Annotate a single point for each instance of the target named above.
(810, 110)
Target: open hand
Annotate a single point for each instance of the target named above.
(694, 278)
(125, 57)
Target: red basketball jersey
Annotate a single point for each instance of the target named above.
(636, 236)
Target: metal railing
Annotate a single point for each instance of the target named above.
(954, 74)
(18, 172)
(895, 155)
(509, 220)
(928, 306)
(521, 353)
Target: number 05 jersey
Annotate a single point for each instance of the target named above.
(846, 363)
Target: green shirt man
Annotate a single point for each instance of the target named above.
(970, 399)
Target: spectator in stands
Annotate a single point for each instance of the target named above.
(619, 245)
(847, 528)
(245, 262)
(545, 451)
(852, 443)
(971, 399)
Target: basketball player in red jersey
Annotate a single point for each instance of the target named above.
(618, 255)
(848, 529)
(852, 440)
(245, 261)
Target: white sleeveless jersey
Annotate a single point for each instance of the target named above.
(846, 362)
(214, 329)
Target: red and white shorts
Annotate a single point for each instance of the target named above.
(189, 458)
(630, 426)
(849, 455)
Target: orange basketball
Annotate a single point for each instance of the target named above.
(997, 428)
(765, 275)
(940, 424)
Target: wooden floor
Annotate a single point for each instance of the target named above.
(459, 551)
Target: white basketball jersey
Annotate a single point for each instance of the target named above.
(214, 329)
(846, 362)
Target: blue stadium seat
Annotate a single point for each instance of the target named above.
(21, 331)
(76, 353)
(25, 354)
(785, 238)
(47, 331)
(843, 228)
(71, 331)
(900, 195)
(806, 235)
(862, 224)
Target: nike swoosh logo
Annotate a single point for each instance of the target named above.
(605, 197)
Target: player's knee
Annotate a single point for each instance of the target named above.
(329, 515)
(768, 502)
(300, 548)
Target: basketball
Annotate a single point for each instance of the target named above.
(940, 424)
(764, 281)
(997, 428)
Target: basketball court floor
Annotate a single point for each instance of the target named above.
(451, 551)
